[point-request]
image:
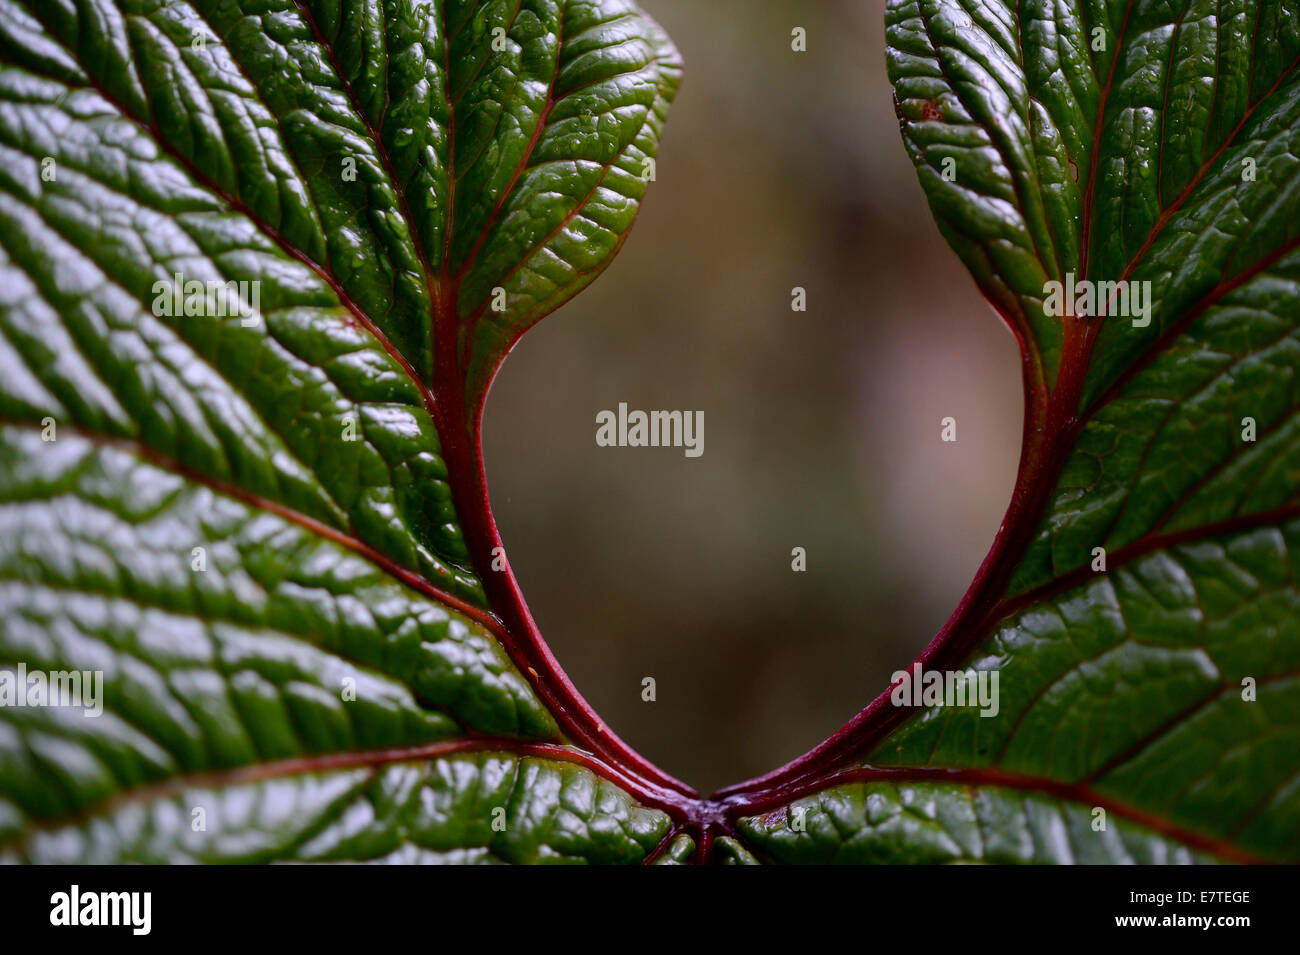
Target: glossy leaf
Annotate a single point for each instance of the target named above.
(1139, 607)
(253, 524)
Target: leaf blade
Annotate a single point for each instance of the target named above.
(249, 517)
(1145, 518)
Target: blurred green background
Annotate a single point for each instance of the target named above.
(779, 169)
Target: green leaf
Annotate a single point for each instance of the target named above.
(266, 527)
(1139, 607)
